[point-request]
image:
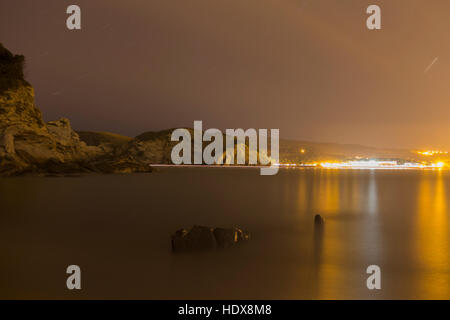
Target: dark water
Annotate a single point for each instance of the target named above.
(117, 229)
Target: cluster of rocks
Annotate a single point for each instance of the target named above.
(200, 238)
(205, 238)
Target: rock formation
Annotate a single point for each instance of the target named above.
(29, 145)
(318, 220)
(204, 238)
(229, 237)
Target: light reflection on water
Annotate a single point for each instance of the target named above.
(345, 196)
(118, 226)
(432, 240)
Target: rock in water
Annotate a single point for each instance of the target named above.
(318, 220)
(229, 237)
(205, 238)
(179, 240)
(198, 238)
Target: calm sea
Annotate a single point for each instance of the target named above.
(117, 229)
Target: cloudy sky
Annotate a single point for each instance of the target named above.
(310, 68)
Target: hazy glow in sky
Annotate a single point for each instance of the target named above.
(309, 68)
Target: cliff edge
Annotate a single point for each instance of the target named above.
(29, 145)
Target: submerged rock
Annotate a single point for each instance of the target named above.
(205, 238)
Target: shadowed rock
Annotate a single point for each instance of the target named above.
(229, 237)
(318, 220)
(198, 238)
(179, 240)
(205, 238)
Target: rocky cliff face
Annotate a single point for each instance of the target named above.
(150, 147)
(27, 144)
(156, 147)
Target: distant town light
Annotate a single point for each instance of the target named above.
(440, 164)
(380, 164)
(432, 152)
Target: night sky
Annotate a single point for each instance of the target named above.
(310, 68)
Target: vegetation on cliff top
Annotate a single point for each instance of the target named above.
(11, 70)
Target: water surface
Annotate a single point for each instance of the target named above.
(117, 229)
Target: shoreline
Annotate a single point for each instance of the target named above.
(292, 167)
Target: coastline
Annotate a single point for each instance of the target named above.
(163, 165)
